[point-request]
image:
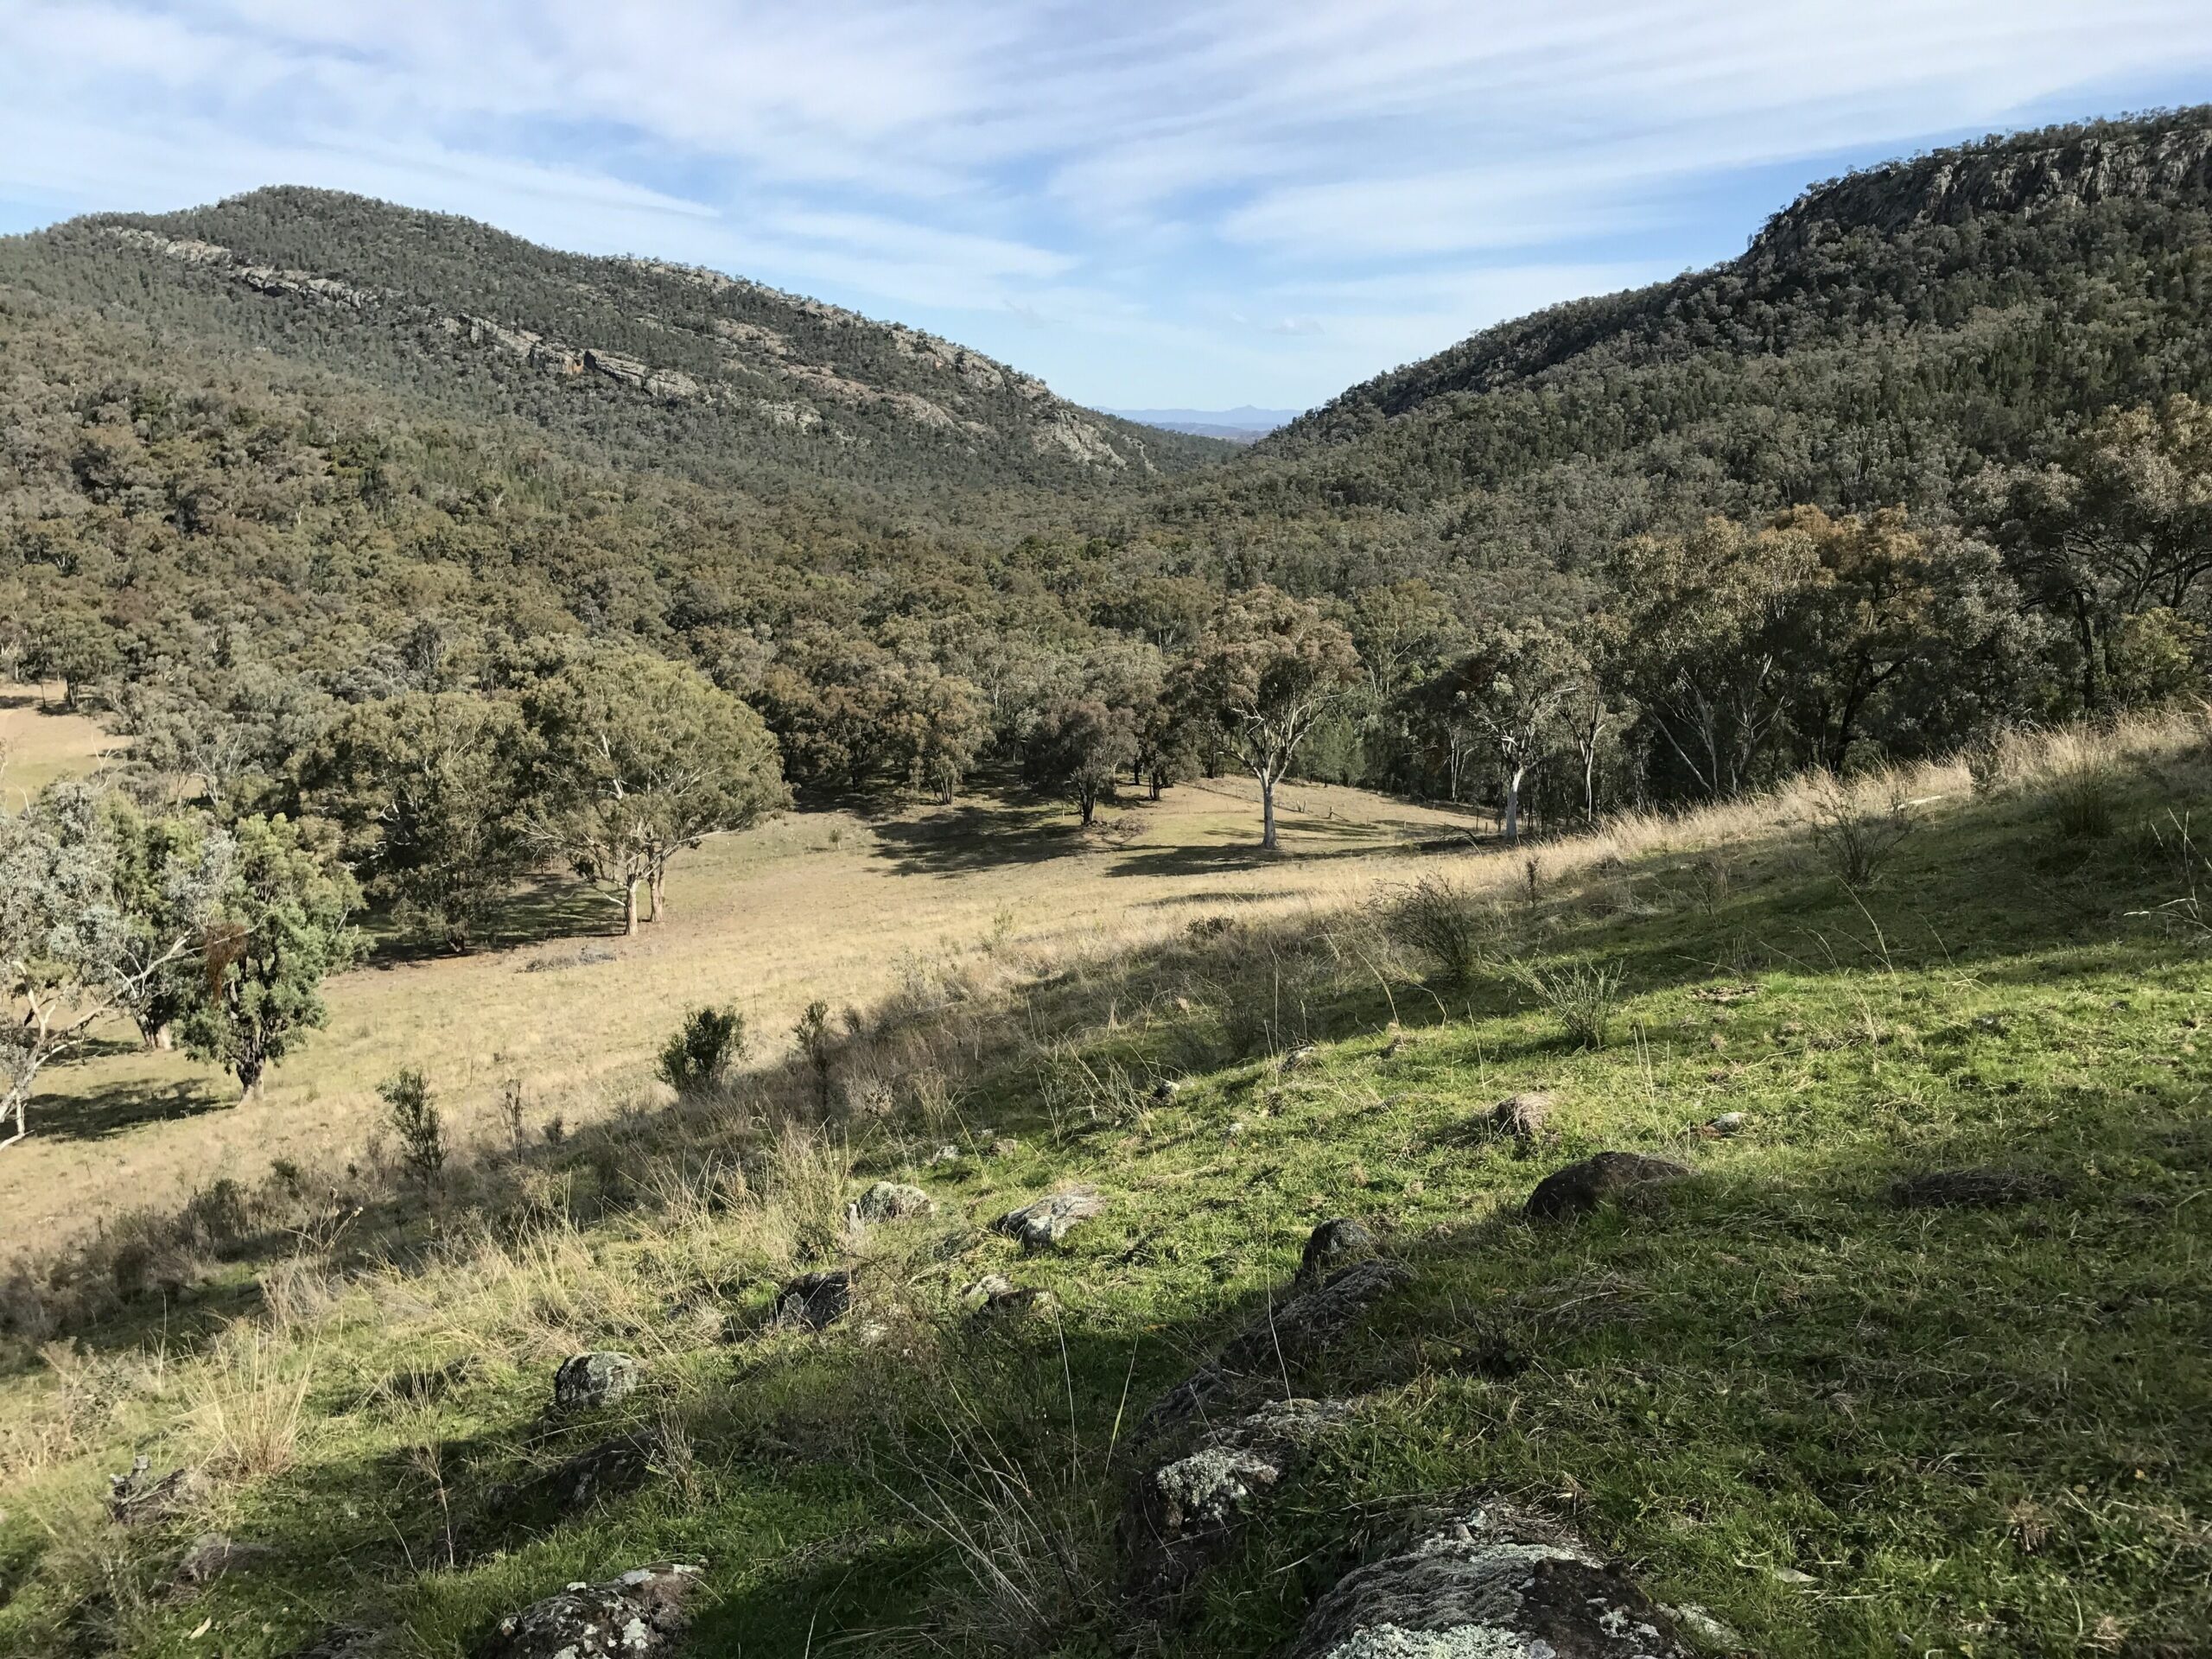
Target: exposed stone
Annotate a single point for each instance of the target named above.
(1332, 1244)
(1981, 1188)
(987, 1290)
(1702, 1628)
(815, 1299)
(621, 1465)
(893, 1201)
(133, 1499)
(1022, 1302)
(212, 1554)
(1164, 1091)
(1183, 1515)
(1303, 1055)
(637, 1615)
(1726, 1123)
(1580, 1187)
(1491, 1583)
(1295, 1332)
(1040, 1225)
(586, 1382)
(1521, 1116)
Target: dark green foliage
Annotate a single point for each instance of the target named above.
(416, 1119)
(702, 1051)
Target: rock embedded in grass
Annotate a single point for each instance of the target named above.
(1491, 1581)
(586, 1382)
(619, 1465)
(1331, 1245)
(816, 1300)
(1045, 1222)
(1522, 1116)
(1978, 1188)
(1183, 1515)
(134, 1500)
(893, 1201)
(637, 1615)
(213, 1554)
(1581, 1187)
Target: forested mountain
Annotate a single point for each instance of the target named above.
(1933, 456)
(1882, 341)
(650, 364)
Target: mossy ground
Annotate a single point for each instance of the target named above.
(1843, 1426)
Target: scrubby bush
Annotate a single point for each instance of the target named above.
(1440, 920)
(703, 1050)
(1582, 997)
(414, 1118)
(1856, 838)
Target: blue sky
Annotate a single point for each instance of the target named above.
(1149, 204)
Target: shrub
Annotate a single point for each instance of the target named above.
(2081, 802)
(1440, 920)
(817, 1045)
(1855, 840)
(1582, 997)
(703, 1050)
(414, 1118)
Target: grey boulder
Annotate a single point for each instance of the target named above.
(1582, 1188)
(893, 1201)
(637, 1615)
(1043, 1224)
(586, 1382)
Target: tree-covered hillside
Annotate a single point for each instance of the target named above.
(647, 364)
(1882, 342)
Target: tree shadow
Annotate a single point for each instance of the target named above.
(111, 1109)
(972, 837)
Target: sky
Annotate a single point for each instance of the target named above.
(1193, 203)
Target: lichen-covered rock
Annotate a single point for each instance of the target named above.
(637, 1615)
(619, 1465)
(893, 1201)
(1184, 1514)
(135, 1498)
(1296, 1331)
(815, 1299)
(586, 1382)
(1581, 1187)
(1491, 1583)
(1981, 1188)
(213, 1554)
(1043, 1224)
(1331, 1245)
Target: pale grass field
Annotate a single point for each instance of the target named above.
(831, 905)
(39, 744)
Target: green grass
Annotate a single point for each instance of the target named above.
(1972, 1432)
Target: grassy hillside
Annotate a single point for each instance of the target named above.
(1843, 1422)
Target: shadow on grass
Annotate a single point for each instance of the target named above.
(963, 839)
(95, 1113)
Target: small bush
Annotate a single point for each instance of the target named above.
(699, 1056)
(1582, 997)
(1442, 920)
(817, 1046)
(414, 1118)
(1856, 840)
(2081, 802)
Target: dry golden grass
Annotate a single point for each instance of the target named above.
(39, 743)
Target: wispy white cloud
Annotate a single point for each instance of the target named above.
(1161, 201)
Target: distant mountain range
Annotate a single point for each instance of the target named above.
(1243, 424)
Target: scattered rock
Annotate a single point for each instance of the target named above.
(1005, 1147)
(1164, 1091)
(1183, 1515)
(586, 1382)
(1726, 1123)
(1492, 1583)
(893, 1201)
(1294, 1332)
(1023, 1301)
(212, 1554)
(638, 1614)
(815, 1299)
(621, 1465)
(1521, 1116)
(1304, 1054)
(1040, 1225)
(1332, 1244)
(987, 1290)
(1979, 1188)
(1724, 993)
(1580, 1187)
(947, 1154)
(134, 1500)
(1703, 1629)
